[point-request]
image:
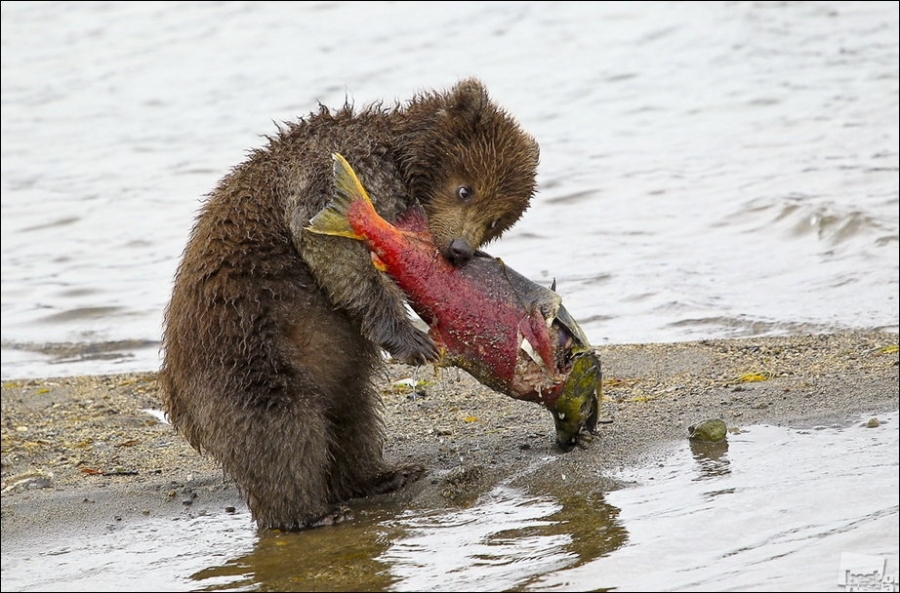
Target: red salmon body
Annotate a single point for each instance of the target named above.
(487, 319)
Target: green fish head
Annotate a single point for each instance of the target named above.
(578, 405)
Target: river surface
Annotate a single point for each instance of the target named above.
(708, 170)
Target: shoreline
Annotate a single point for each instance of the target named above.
(81, 453)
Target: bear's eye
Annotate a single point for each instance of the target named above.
(464, 193)
(493, 224)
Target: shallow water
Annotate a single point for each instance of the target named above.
(771, 509)
(708, 169)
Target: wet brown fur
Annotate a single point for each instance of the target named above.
(273, 335)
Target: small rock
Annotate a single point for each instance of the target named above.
(710, 431)
(872, 423)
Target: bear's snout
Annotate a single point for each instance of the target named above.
(459, 252)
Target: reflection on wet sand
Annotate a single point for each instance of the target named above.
(344, 557)
(504, 541)
(712, 459)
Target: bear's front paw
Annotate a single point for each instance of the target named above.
(415, 348)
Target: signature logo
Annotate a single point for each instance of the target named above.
(859, 572)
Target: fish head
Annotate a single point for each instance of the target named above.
(569, 385)
(577, 404)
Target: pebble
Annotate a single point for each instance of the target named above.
(710, 431)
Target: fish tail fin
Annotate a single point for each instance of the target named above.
(348, 190)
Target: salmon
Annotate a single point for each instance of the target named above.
(509, 333)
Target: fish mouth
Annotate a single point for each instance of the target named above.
(536, 377)
(571, 390)
(568, 341)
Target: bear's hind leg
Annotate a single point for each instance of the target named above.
(359, 468)
(281, 461)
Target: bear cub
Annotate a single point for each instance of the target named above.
(273, 335)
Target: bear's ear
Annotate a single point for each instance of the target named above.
(467, 101)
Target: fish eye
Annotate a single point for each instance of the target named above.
(464, 193)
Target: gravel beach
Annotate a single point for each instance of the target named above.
(80, 452)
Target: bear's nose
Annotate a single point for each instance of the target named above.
(460, 252)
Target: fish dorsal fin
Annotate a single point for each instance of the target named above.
(413, 219)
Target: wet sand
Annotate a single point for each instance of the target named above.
(85, 454)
